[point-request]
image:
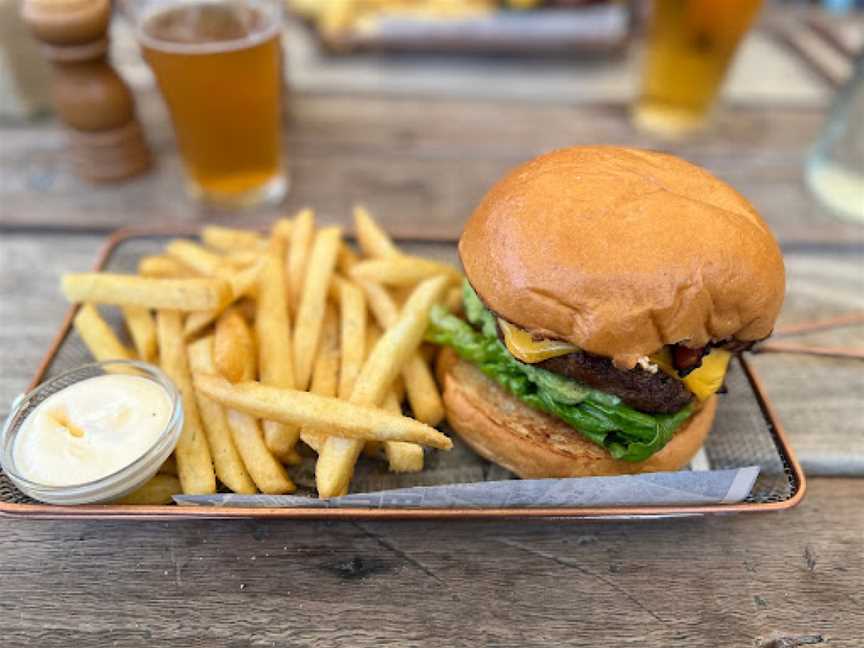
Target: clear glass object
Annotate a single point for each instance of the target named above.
(115, 485)
(835, 166)
(688, 51)
(218, 64)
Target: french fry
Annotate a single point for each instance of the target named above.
(325, 376)
(169, 467)
(335, 464)
(391, 404)
(210, 264)
(346, 259)
(423, 394)
(240, 259)
(373, 240)
(403, 457)
(273, 333)
(98, 337)
(303, 408)
(336, 18)
(228, 239)
(352, 322)
(164, 267)
(194, 466)
(241, 279)
(381, 303)
(198, 321)
(282, 229)
(453, 300)
(242, 282)
(314, 440)
(267, 473)
(227, 462)
(402, 270)
(302, 232)
(157, 491)
(142, 330)
(398, 343)
(129, 290)
(375, 449)
(196, 256)
(233, 347)
(310, 314)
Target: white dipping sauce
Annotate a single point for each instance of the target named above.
(91, 429)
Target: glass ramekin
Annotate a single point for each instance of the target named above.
(117, 484)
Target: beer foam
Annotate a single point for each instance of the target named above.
(207, 27)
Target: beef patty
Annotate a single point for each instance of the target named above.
(657, 393)
(654, 393)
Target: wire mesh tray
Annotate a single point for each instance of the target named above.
(746, 432)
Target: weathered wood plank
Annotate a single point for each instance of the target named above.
(727, 581)
(31, 305)
(421, 164)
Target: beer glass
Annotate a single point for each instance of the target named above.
(218, 66)
(689, 47)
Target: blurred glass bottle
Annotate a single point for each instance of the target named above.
(689, 48)
(835, 166)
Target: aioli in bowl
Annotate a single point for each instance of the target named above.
(91, 429)
(92, 434)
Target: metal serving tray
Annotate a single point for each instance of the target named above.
(746, 432)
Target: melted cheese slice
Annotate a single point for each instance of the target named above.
(525, 348)
(704, 381)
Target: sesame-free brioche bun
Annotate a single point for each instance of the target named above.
(621, 251)
(534, 445)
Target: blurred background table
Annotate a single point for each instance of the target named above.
(419, 140)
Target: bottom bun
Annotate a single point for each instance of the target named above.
(535, 445)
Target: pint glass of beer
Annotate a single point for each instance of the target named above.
(218, 65)
(688, 51)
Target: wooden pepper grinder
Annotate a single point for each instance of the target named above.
(105, 139)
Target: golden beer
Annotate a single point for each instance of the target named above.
(218, 66)
(689, 48)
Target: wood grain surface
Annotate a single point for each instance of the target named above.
(765, 581)
(420, 164)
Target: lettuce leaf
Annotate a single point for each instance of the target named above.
(600, 417)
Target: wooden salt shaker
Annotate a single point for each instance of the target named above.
(105, 139)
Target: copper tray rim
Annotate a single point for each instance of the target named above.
(174, 512)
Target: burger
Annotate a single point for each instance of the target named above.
(606, 290)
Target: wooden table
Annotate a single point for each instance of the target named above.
(769, 581)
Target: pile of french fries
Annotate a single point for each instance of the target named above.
(334, 17)
(293, 337)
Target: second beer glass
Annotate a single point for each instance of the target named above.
(689, 48)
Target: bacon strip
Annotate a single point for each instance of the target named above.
(686, 359)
